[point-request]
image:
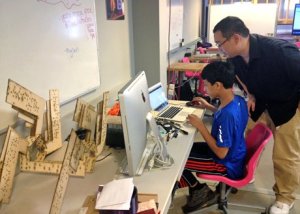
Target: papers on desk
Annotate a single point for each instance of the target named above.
(115, 195)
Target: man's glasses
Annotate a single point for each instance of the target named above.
(219, 45)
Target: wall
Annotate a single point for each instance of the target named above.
(114, 48)
(151, 32)
(145, 22)
(259, 18)
(192, 10)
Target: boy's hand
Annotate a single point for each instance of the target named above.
(200, 102)
(195, 121)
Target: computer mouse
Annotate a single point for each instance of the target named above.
(192, 103)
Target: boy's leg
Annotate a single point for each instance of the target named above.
(199, 160)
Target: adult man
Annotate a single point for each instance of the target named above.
(268, 69)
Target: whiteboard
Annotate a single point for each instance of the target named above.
(185, 19)
(259, 18)
(48, 44)
(176, 23)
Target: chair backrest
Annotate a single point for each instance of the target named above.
(189, 74)
(256, 141)
(201, 50)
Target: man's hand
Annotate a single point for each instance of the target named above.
(251, 103)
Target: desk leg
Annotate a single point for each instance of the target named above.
(171, 77)
(179, 79)
(171, 80)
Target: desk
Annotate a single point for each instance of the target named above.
(199, 58)
(178, 69)
(33, 193)
(212, 50)
(162, 180)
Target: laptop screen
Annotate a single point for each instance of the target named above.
(158, 99)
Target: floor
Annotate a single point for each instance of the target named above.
(259, 193)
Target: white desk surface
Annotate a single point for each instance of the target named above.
(161, 181)
(32, 193)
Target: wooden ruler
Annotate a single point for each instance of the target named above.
(89, 121)
(85, 115)
(9, 156)
(63, 179)
(48, 167)
(48, 131)
(78, 110)
(56, 141)
(89, 158)
(77, 154)
(102, 126)
(37, 149)
(23, 99)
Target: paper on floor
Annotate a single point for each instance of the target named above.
(115, 195)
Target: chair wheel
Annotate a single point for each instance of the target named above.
(234, 190)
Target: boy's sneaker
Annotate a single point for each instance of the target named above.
(192, 190)
(280, 208)
(201, 198)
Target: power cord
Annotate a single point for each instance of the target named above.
(160, 157)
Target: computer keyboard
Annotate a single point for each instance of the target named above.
(170, 112)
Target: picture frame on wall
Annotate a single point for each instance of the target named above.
(115, 10)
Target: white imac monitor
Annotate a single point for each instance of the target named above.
(134, 105)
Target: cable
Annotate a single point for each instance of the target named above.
(104, 157)
(160, 157)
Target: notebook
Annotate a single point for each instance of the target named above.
(160, 104)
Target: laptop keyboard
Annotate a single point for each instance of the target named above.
(170, 112)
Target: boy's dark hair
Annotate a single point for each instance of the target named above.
(231, 25)
(219, 71)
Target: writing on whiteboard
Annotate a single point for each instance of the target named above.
(71, 51)
(67, 3)
(73, 19)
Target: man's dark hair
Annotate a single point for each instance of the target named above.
(219, 72)
(231, 25)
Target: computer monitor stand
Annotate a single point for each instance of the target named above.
(156, 148)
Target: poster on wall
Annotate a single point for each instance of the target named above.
(115, 10)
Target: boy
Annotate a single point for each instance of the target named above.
(224, 149)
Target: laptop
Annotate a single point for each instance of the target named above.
(159, 103)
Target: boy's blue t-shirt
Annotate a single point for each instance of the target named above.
(228, 129)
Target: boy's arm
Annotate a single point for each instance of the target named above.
(221, 152)
(202, 103)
